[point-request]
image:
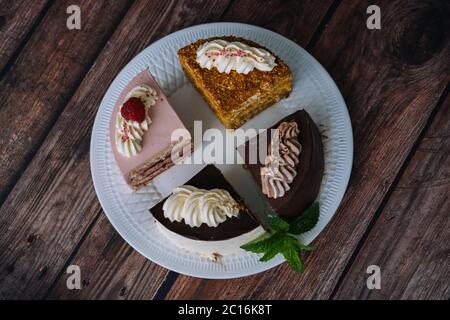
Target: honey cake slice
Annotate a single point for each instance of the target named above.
(237, 77)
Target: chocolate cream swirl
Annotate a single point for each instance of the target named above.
(281, 163)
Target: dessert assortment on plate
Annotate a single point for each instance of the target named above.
(238, 78)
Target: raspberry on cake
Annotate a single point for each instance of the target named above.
(141, 127)
(133, 120)
(238, 78)
(133, 109)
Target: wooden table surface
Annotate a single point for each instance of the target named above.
(396, 210)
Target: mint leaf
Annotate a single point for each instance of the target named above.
(293, 241)
(264, 245)
(306, 221)
(277, 224)
(292, 257)
(282, 239)
(272, 252)
(304, 247)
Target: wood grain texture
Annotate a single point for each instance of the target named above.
(31, 222)
(54, 203)
(110, 269)
(44, 76)
(391, 80)
(296, 20)
(17, 19)
(141, 286)
(410, 240)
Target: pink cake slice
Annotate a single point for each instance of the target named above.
(157, 146)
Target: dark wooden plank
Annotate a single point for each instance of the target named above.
(44, 76)
(409, 241)
(391, 80)
(53, 204)
(110, 269)
(17, 19)
(297, 20)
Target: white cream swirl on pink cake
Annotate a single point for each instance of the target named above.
(280, 165)
(133, 120)
(227, 56)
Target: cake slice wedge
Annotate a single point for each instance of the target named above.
(237, 77)
(187, 216)
(141, 127)
(296, 184)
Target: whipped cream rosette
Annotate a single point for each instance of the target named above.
(197, 206)
(281, 164)
(226, 56)
(133, 120)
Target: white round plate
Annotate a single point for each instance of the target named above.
(313, 90)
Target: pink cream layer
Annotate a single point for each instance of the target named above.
(158, 137)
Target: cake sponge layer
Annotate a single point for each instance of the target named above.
(236, 97)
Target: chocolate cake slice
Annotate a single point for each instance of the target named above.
(210, 178)
(305, 186)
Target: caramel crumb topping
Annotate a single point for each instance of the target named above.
(229, 94)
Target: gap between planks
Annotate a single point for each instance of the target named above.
(16, 52)
(71, 93)
(72, 255)
(392, 188)
(326, 18)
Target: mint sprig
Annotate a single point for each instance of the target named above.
(277, 224)
(306, 221)
(282, 240)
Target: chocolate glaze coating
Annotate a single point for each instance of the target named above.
(209, 178)
(306, 185)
